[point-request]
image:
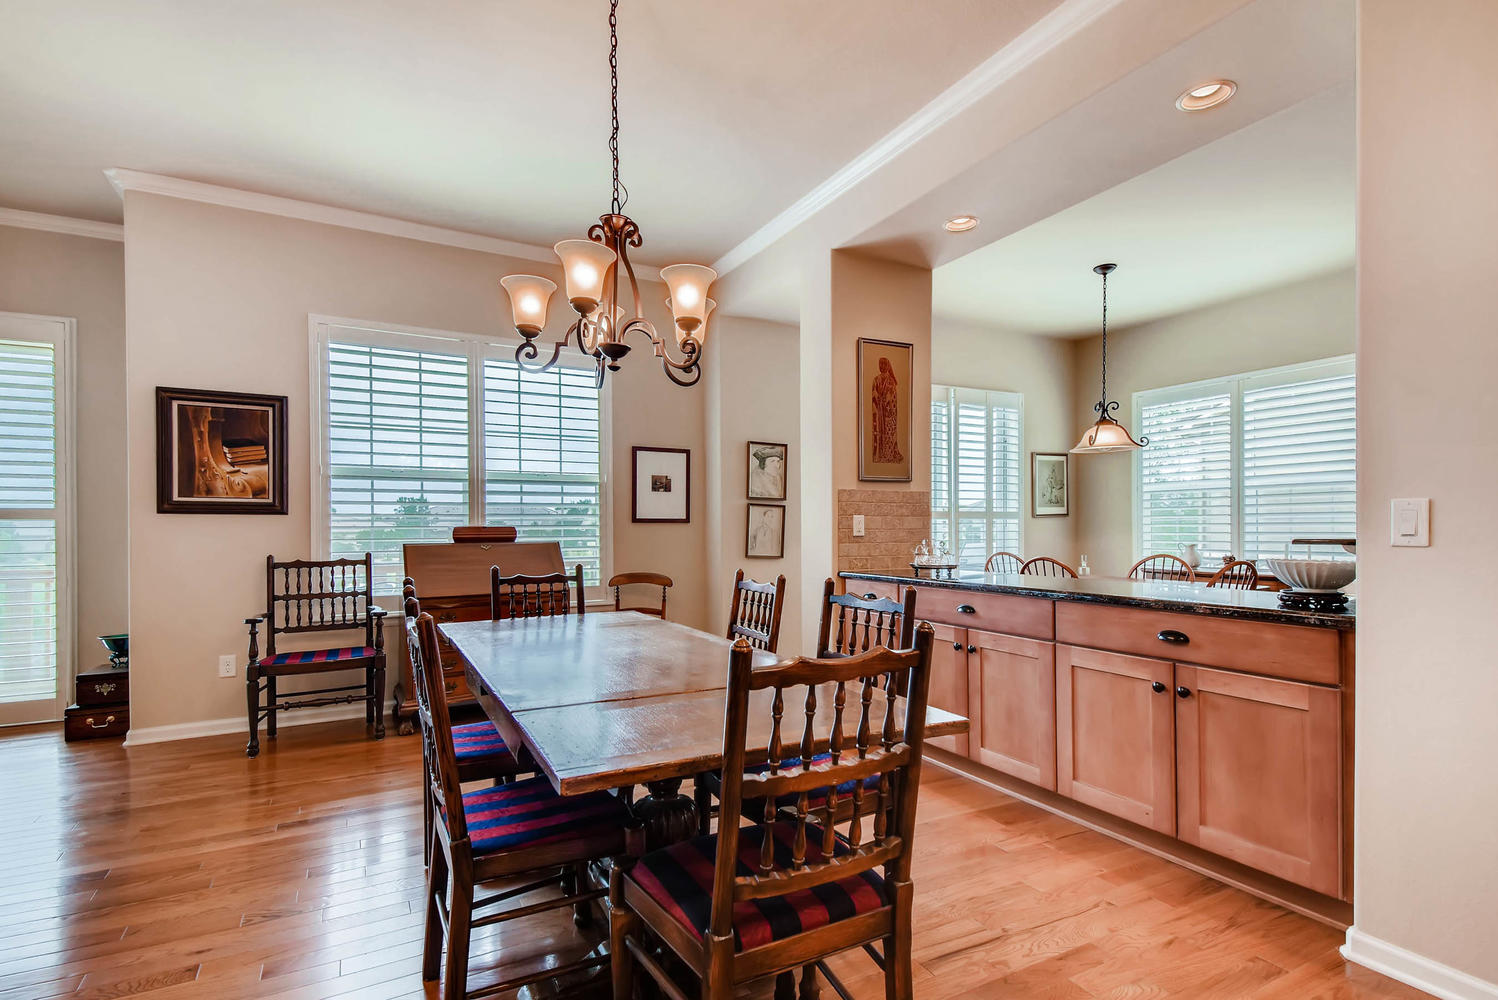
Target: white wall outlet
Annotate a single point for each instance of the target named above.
(857, 525)
(227, 665)
(1409, 521)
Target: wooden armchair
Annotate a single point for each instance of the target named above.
(765, 900)
(620, 580)
(1046, 566)
(754, 614)
(1004, 562)
(1240, 574)
(1162, 566)
(315, 596)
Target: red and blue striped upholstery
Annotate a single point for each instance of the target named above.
(680, 879)
(754, 809)
(480, 742)
(527, 813)
(320, 656)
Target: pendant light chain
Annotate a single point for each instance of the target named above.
(1105, 342)
(618, 201)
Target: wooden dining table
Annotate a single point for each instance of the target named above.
(613, 700)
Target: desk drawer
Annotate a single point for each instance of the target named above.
(1296, 652)
(1005, 613)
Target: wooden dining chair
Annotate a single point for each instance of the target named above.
(783, 894)
(1004, 562)
(621, 580)
(754, 614)
(1046, 566)
(522, 834)
(1162, 566)
(1240, 574)
(522, 596)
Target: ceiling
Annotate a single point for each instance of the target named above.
(1270, 203)
(488, 117)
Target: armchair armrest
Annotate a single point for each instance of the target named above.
(254, 654)
(377, 625)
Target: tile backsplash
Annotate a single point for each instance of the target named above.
(895, 521)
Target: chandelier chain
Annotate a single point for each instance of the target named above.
(617, 201)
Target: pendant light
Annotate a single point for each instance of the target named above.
(1107, 435)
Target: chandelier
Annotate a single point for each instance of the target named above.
(592, 270)
(1107, 434)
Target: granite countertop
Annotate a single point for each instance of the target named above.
(1182, 598)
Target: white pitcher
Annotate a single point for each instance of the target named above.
(1189, 553)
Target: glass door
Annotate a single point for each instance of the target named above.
(36, 614)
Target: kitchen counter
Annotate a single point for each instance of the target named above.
(1182, 598)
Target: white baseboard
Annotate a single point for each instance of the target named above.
(238, 724)
(1415, 970)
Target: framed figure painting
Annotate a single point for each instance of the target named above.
(1050, 486)
(220, 452)
(764, 536)
(884, 404)
(767, 473)
(662, 479)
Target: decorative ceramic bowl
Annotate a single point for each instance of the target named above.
(1315, 576)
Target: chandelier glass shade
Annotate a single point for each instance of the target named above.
(1107, 434)
(602, 289)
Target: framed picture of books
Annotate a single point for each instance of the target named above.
(220, 452)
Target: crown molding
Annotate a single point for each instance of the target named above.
(62, 224)
(308, 211)
(1035, 41)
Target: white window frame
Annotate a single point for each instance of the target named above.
(62, 333)
(1233, 387)
(476, 348)
(1016, 401)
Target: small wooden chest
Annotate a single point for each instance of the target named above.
(95, 722)
(106, 686)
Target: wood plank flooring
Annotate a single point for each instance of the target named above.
(184, 870)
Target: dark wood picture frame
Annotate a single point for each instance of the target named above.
(634, 485)
(1035, 506)
(169, 454)
(749, 553)
(785, 472)
(904, 415)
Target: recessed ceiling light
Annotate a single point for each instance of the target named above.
(961, 223)
(1208, 95)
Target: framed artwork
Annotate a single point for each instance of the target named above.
(767, 472)
(884, 395)
(220, 452)
(662, 480)
(764, 536)
(1050, 484)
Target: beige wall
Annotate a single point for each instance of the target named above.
(219, 298)
(753, 394)
(57, 275)
(1427, 805)
(1040, 368)
(1304, 321)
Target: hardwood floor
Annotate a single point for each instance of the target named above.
(184, 870)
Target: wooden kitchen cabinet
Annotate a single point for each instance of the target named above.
(1012, 695)
(1259, 765)
(1115, 734)
(948, 688)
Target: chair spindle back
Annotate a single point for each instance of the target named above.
(1004, 562)
(1240, 574)
(1046, 566)
(1162, 566)
(436, 726)
(754, 614)
(318, 595)
(522, 596)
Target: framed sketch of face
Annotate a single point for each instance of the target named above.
(662, 485)
(767, 471)
(765, 532)
(1050, 485)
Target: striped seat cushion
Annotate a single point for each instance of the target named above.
(480, 742)
(754, 809)
(680, 879)
(527, 813)
(320, 656)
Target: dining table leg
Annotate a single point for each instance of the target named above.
(667, 815)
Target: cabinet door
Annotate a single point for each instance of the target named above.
(1115, 744)
(1260, 763)
(1014, 687)
(949, 683)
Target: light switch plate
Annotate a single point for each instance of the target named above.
(857, 525)
(1409, 521)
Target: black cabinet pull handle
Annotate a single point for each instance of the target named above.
(1183, 692)
(957, 646)
(1157, 687)
(972, 649)
(966, 609)
(1173, 637)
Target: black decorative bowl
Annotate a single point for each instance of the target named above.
(119, 648)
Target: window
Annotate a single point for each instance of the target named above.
(976, 488)
(1244, 464)
(423, 431)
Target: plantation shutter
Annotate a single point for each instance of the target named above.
(1299, 463)
(542, 458)
(976, 491)
(1186, 475)
(397, 451)
(941, 467)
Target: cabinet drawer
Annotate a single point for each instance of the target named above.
(83, 722)
(1027, 616)
(1296, 652)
